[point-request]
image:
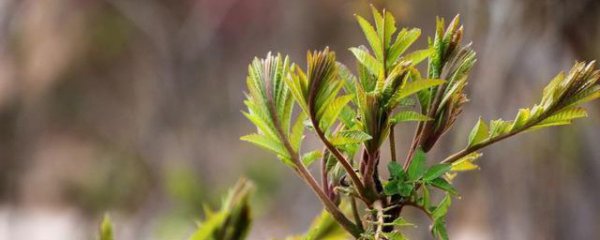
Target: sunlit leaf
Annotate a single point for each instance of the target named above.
(310, 157)
(370, 63)
(408, 116)
(349, 137)
(466, 163)
(479, 133)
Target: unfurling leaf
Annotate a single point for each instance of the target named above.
(106, 229)
(479, 133)
(325, 227)
(466, 163)
(232, 221)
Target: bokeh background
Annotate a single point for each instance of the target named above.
(132, 107)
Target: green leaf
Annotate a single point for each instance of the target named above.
(521, 119)
(333, 110)
(397, 186)
(297, 83)
(499, 127)
(207, 228)
(412, 88)
(479, 133)
(350, 137)
(371, 36)
(442, 209)
(106, 229)
(368, 61)
(394, 236)
(439, 229)
(466, 163)
(403, 41)
(408, 116)
(418, 56)
(417, 166)
(396, 171)
(309, 157)
(444, 185)
(405, 189)
(565, 115)
(401, 222)
(435, 171)
(325, 227)
(297, 132)
(390, 28)
(266, 143)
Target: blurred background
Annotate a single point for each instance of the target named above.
(132, 107)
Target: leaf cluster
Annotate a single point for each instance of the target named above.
(353, 115)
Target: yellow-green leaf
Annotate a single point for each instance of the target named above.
(368, 61)
(418, 56)
(309, 157)
(479, 133)
(106, 229)
(466, 163)
(371, 36)
(408, 116)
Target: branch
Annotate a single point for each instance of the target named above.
(360, 188)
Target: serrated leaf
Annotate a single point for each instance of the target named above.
(417, 166)
(395, 170)
(372, 36)
(390, 28)
(479, 133)
(266, 143)
(298, 85)
(333, 110)
(309, 157)
(412, 88)
(466, 163)
(106, 229)
(565, 115)
(349, 137)
(441, 183)
(408, 116)
(403, 41)
(418, 56)
(368, 61)
(435, 171)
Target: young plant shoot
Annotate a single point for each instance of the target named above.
(354, 113)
